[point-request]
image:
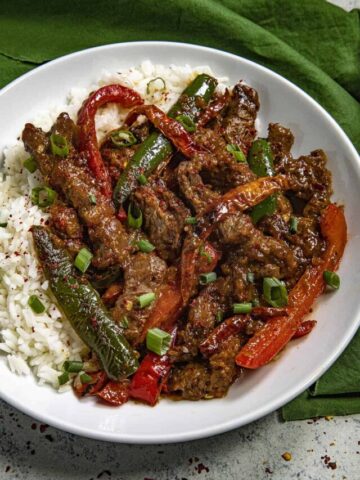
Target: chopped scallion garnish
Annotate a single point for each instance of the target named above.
(206, 278)
(219, 317)
(146, 299)
(85, 378)
(142, 179)
(236, 152)
(59, 145)
(135, 217)
(92, 199)
(294, 221)
(36, 304)
(151, 86)
(332, 280)
(158, 341)
(123, 138)
(63, 378)
(275, 292)
(30, 164)
(250, 277)
(190, 220)
(145, 246)
(124, 321)
(43, 196)
(204, 253)
(186, 122)
(83, 260)
(73, 366)
(242, 308)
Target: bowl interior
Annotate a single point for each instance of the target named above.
(304, 360)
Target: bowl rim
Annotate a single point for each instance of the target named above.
(265, 409)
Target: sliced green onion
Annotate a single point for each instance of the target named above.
(123, 138)
(124, 321)
(236, 152)
(135, 217)
(85, 378)
(332, 279)
(275, 292)
(142, 179)
(36, 304)
(63, 378)
(242, 308)
(146, 299)
(294, 221)
(206, 278)
(145, 246)
(190, 221)
(158, 341)
(43, 196)
(30, 164)
(151, 87)
(186, 122)
(204, 253)
(219, 317)
(255, 302)
(92, 199)
(83, 260)
(73, 366)
(59, 145)
(250, 277)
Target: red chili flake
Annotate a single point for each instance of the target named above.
(33, 426)
(17, 254)
(43, 427)
(267, 470)
(201, 468)
(94, 322)
(7, 469)
(332, 465)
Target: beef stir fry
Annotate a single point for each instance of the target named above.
(183, 249)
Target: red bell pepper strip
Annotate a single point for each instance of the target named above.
(269, 311)
(169, 127)
(166, 310)
(114, 393)
(304, 328)
(231, 326)
(213, 109)
(87, 133)
(148, 380)
(238, 199)
(276, 333)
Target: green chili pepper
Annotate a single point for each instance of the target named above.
(156, 148)
(260, 158)
(84, 309)
(261, 162)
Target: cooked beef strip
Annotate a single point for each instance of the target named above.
(164, 218)
(145, 273)
(264, 254)
(196, 380)
(281, 140)
(65, 223)
(238, 125)
(72, 178)
(116, 160)
(201, 319)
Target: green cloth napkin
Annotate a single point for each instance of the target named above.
(312, 43)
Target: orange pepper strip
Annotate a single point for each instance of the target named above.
(276, 333)
(238, 199)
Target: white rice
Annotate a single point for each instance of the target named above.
(41, 343)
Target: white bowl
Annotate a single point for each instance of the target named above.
(262, 391)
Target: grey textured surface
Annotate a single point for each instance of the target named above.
(320, 449)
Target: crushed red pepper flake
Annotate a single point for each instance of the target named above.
(201, 468)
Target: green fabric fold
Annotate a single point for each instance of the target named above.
(314, 44)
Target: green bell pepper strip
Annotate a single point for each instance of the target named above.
(261, 162)
(84, 309)
(156, 148)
